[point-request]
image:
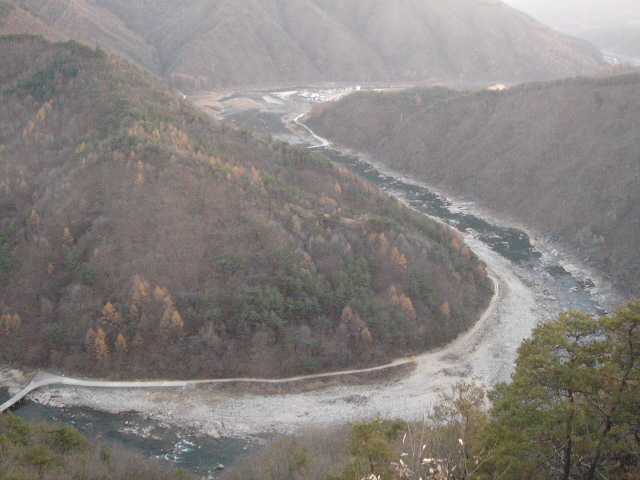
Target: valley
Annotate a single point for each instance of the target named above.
(229, 222)
(534, 284)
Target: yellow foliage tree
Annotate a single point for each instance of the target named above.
(100, 348)
(324, 200)
(140, 170)
(139, 290)
(365, 335)
(237, 171)
(384, 243)
(10, 323)
(403, 303)
(41, 115)
(81, 148)
(110, 315)
(171, 322)
(392, 293)
(347, 314)
(176, 320)
(121, 344)
(337, 189)
(398, 258)
(445, 309)
(17, 322)
(160, 294)
(465, 252)
(353, 321)
(28, 129)
(406, 307)
(255, 175)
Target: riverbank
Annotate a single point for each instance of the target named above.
(486, 355)
(553, 254)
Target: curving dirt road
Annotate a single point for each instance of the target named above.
(43, 379)
(485, 354)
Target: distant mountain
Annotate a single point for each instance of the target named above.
(561, 157)
(202, 44)
(613, 26)
(84, 21)
(139, 237)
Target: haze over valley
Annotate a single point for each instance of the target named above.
(613, 26)
(458, 174)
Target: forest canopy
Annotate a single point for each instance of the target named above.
(139, 237)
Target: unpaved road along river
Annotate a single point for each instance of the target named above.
(535, 283)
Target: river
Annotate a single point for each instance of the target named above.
(565, 287)
(198, 454)
(568, 286)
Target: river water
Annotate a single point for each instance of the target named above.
(566, 289)
(201, 455)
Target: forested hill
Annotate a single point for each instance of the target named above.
(139, 238)
(562, 157)
(203, 44)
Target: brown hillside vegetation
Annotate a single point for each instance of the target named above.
(201, 44)
(140, 238)
(562, 157)
(16, 20)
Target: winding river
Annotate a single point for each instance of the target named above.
(564, 287)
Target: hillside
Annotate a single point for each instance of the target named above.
(561, 157)
(613, 26)
(140, 238)
(81, 20)
(203, 44)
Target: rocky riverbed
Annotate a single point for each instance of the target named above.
(486, 356)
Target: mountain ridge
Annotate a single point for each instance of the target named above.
(559, 156)
(138, 237)
(198, 44)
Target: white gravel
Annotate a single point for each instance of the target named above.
(486, 356)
